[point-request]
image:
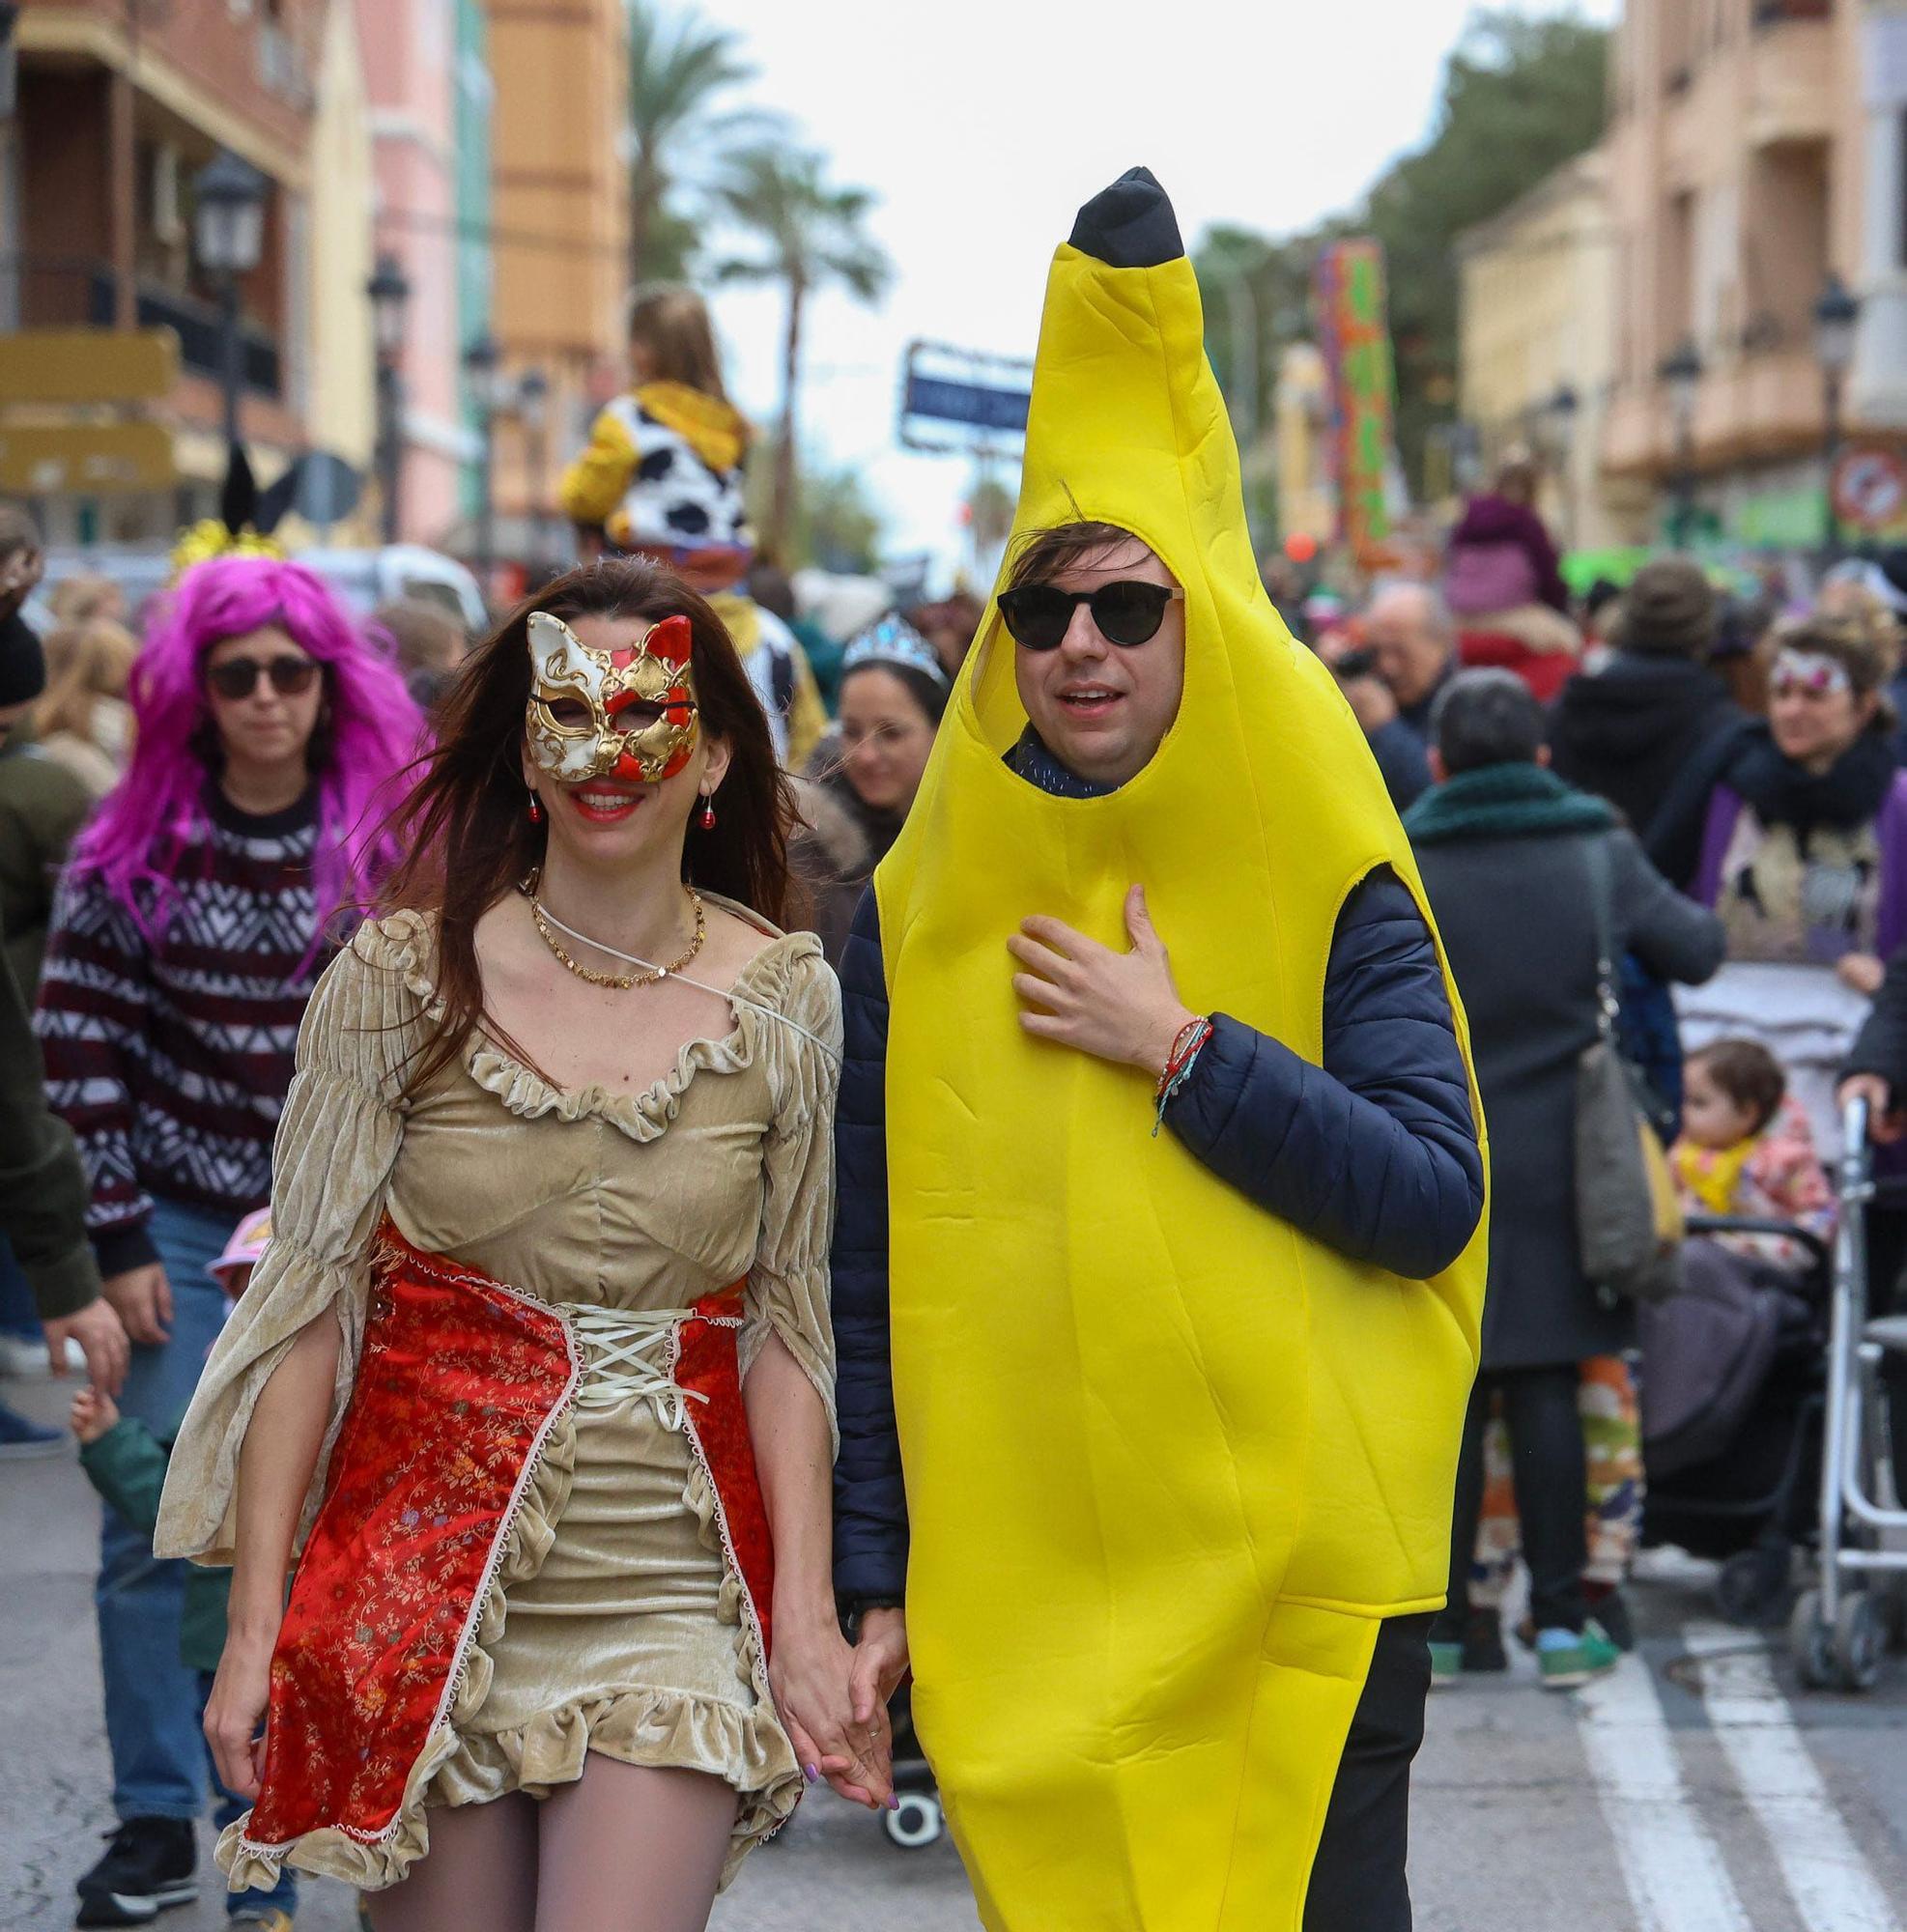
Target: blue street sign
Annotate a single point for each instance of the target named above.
(976, 404)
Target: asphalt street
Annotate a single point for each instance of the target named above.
(1699, 1790)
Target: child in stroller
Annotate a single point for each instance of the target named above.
(1731, 1364)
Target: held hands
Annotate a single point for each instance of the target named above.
(1122, 1007)
(142, 1297)
(101, 1336)
(833, 1737)
(92, 1415)
(880, 1663)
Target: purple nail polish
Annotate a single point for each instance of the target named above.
(894, 1804)
(811, 1772)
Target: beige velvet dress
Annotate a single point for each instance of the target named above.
(616, 1623)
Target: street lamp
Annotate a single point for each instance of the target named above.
(389, 294)
(228, 232)
(482, 371)
(9, 16)
(532, 410)
(1560, 411)
(1835, 315)
(1681, 372)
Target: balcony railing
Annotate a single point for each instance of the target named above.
(40, 291)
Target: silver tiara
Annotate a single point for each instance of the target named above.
(893, 640)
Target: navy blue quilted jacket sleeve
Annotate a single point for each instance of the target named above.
(1376, 1152)
(870, 1507)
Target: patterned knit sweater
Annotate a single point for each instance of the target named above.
(170, 1056)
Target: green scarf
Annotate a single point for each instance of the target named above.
(1515, 801)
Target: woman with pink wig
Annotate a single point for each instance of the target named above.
(198, 912)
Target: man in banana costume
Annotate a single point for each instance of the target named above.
(1149, 1436)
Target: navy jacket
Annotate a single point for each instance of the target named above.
(1374, 1154)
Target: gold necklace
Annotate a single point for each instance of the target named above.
(622, 982)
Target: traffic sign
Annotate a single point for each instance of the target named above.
(1869, 489)
(85, 460)
(88, 365)
(985, 395)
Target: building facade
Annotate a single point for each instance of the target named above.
(1737, 183)
(118, 107)
(562, 187)
(420, 123)
(1537, 350)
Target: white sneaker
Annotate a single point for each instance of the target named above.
(23, 1358)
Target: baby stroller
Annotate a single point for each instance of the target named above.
(1733, 1390)
(1839, 1628)
(916, 1820)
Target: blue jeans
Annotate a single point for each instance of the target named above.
(228, 1810)
(20, 1313)
(162, 1766)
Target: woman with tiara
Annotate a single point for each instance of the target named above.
(540, 1365)
(863, 778)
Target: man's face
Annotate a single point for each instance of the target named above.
(1410, 652)
(1104, 709)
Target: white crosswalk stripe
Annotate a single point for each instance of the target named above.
(1676, 1879)
(1833, 1887)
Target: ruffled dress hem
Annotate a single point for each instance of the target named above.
(460, 1764)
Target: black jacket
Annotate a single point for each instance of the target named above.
(1627, 731)
(1374, 1153)
(1519, 929)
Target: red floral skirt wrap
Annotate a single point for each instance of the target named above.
(460, 1382)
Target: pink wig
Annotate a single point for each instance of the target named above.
(372, 733)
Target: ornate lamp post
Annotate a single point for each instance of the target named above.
(1560, 414)
(532, 410)
(1835, 315)
(389, 294)
(228, 235)
(482, 369)
(1681, 372)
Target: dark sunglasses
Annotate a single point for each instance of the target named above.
(1128, 613)
(238, 677)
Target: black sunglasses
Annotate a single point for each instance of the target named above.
(1128, 613)
(238, 677)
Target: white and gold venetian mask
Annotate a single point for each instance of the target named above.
(629, 713)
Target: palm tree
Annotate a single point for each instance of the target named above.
(811, 234)
(677, 68)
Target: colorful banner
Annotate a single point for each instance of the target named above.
(1353, 333)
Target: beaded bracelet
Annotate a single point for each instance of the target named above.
(1178, 1065)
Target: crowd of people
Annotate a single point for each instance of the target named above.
(640, 1132)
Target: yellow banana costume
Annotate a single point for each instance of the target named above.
(1168, 1460)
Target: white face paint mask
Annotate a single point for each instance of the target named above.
(629, 713)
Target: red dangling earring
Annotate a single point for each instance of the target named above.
(535, 809)
(708, 811)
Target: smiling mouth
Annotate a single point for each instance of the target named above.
(1090, 698)
(603, 805)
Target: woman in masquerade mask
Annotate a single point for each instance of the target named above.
(548, 1299)
(1803, 855)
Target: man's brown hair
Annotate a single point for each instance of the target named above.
(1044, 555)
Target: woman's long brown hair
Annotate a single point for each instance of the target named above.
(466, 825)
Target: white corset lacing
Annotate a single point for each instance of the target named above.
(620, 1358)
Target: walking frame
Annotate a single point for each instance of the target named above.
(1839, 1629)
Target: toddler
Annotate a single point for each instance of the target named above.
(1747, 1148)
(125, 1462)
(663, 477)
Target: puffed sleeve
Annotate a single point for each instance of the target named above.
(336, 1145)
(787, 1287)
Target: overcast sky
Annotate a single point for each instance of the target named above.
(983, 125)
